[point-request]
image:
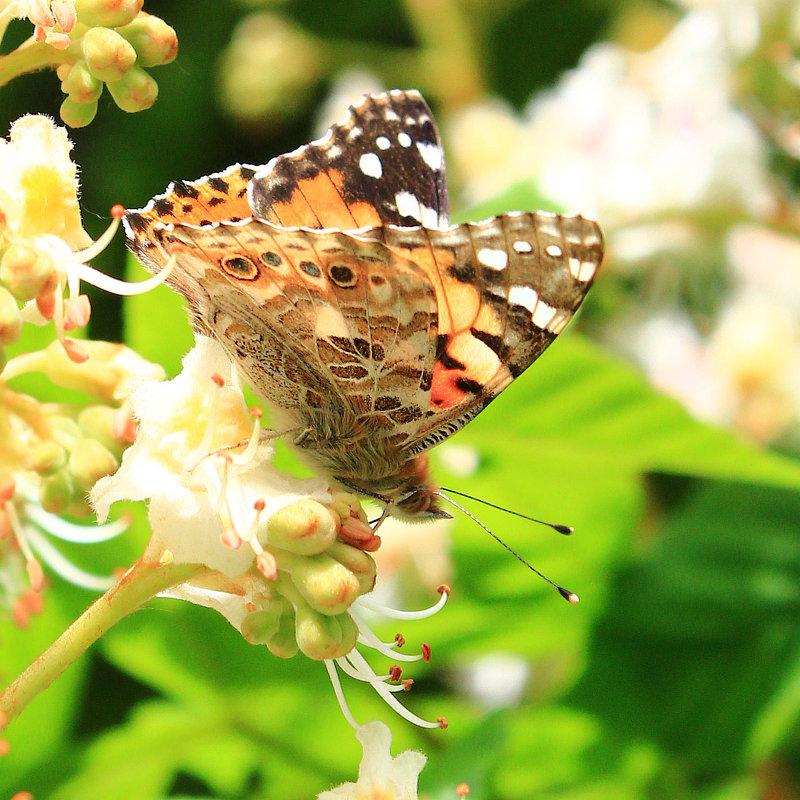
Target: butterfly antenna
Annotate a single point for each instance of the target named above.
(565, 593)
(566, 530)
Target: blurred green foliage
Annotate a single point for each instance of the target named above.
(676, 676)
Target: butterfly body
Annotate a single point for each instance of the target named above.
(372, 327)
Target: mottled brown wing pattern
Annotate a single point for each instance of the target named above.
(383, 164)
(337, 329)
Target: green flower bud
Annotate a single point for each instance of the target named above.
(135, 92)
(327, 586)
(97, 422)
(260, 626)
(77, 115)
(81, 85)
(318, 635)
(47, 457)
(10, 319)
(27, 271)
(358, 562)
(305, 527)
(154, 41)
(56, 493)
(107, 13)
(284, 643)
(89, 461)
(349, 635)
(108, 55)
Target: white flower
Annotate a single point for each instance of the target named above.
(194, 500)
(380, 777)
(627, 134)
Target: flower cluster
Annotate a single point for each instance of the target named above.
(286, 561)
(92, 43)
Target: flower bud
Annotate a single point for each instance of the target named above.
(99, 422)
(318, 636)
(327, 586)
(27, 271)
(108, 55)
(260, 626)
(107, 13)
(305, 527)
(284, 643)
(154, 41)
(56, 492)
(89, 461)
(10, 319)
(81, 85)
(47, 457)
(349, 635)
(136, 91)
(358, 562)
(77, 115)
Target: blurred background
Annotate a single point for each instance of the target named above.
(664, 425)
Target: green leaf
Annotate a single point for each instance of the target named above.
(705, 624)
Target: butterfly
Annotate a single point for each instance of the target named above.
(334, 281)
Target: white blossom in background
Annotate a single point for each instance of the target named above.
(624, 134)
(495, 680)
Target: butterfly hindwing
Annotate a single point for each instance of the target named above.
(384, 164)
(317, 320)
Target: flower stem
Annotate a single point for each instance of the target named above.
(145, 579)
(30, 56)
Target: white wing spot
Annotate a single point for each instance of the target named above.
(383, 143)
(494, 259)
(523, 296)
(408, 205)
(554, 251)
(543, 315)
(370, 164)
(431, 155)
(522, 247)
(355, 132)
(430, 217)
(390, 115)
(404, 139)
(582, 270)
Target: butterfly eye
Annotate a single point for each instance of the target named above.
(240, 268)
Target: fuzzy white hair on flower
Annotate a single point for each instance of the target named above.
(380, 777)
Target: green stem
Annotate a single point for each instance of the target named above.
(141, 582)
(30, 56)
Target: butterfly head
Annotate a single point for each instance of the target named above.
(416, 498)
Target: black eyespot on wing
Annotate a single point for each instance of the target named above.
(310, 268)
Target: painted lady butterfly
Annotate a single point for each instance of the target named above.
(334, 281)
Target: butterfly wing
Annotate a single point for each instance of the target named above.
(222, 195)
(383, 164)
(505, 288)
(338, 329)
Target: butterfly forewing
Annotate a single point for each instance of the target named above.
(505, 288)
(384, 164)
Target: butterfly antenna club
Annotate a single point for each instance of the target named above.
(566, 530)
(569, 596)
